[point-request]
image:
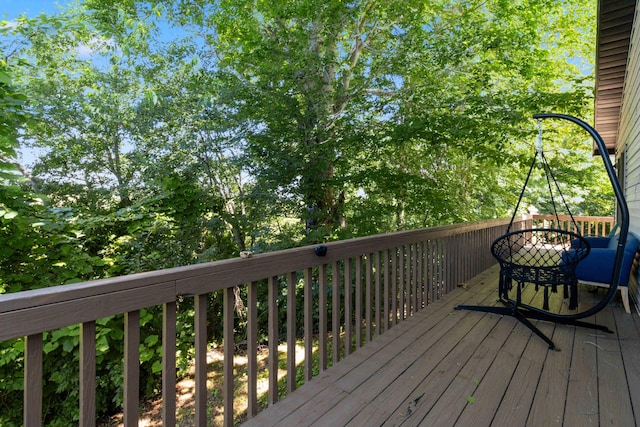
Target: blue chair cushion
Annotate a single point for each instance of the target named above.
(598, 242)
(598, 265)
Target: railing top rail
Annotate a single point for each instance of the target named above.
(235, 271)
(35, 311)
(576, 217)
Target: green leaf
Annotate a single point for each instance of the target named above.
(10, 215)
(68, 345)
(151, 340)
(4, 78)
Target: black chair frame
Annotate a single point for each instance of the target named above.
(544, 258)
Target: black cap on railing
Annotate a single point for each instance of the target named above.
(320, 250)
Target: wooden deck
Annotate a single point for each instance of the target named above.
(445, 367)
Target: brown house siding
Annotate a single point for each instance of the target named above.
(615, 22)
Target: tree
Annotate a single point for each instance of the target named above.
(332, 112)
(12, 117)
(324, 87)
(84, 113)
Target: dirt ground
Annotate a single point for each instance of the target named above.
(151, 410)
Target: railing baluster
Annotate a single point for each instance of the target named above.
(428, 272)
(200, 320)
(169, 364)
(458, 260)
(448, 250)
(426, 279)
(358, 296)
(88, 374)
(407, 280)
(335, 310)
(401, 291)
(386, 279)
(406, 271)
(308, 324)
(437, 252)
(433, 270)
(419, 276)
(348, 310)
(291, 332)
(367, 306)
(131, 367)
(454, 262)
(323, 331)
(394, 286)
(32, 413)
(377, 293)
(229, 350)
(273, 339)
(414, 279)
(252, 349)
(444, 259)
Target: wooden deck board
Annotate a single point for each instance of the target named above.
(453, 401)
(395, 362)
(627, 331)
(498, 377)
(614, 399)
(429, 377)
(515, 406)
(418, 362)
(582, 391)
(444, 367)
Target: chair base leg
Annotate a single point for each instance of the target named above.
(624, 292)
(523, 314)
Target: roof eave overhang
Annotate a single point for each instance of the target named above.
(615, 22)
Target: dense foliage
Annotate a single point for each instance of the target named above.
(171, 133)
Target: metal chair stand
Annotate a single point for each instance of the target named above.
(544, 258)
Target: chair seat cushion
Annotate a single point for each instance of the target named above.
(598, 265)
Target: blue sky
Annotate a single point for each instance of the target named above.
(10, 9)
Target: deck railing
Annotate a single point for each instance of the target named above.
(584, 225)
(364, 286)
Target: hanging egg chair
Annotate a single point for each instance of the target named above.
(546, 258)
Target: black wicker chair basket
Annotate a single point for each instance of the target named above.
(542, 257)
